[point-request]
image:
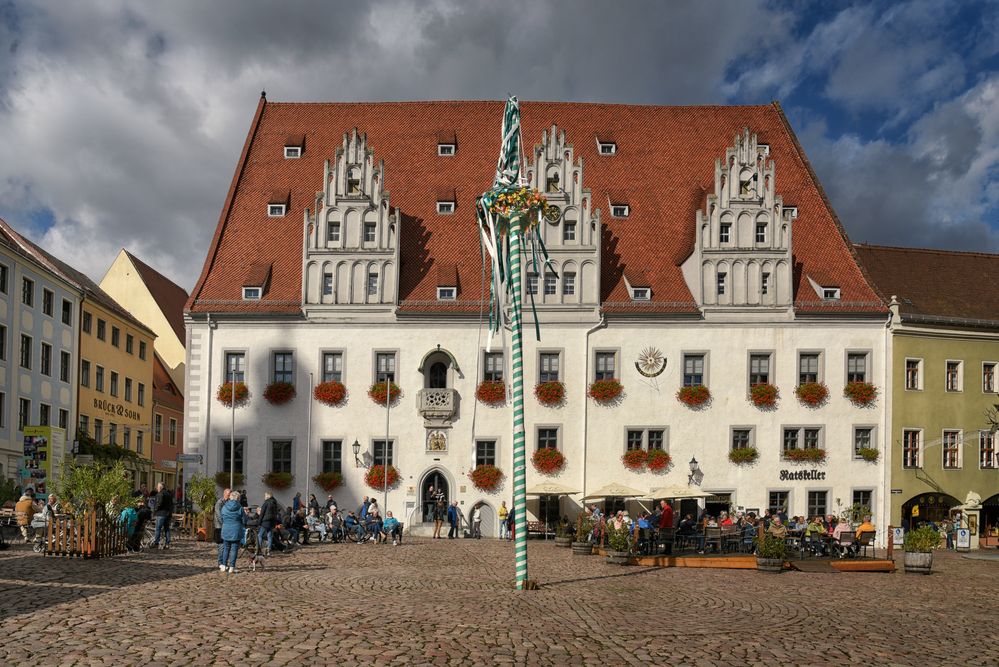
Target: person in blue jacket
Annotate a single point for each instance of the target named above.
(233, 526)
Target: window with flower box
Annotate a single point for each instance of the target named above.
(284, 368)
(547, 437)
(549, 367)
(492, 366)
(808, 367)
(280, 456)
(951, 444)
(863, 438)
(759, 369)
(606, 365)
(332, 366)
(385, 367)
(383, 452)
(485, 452)
(856, 367)
(332, 456)
(645, 438)
(742, 437)
(693, 370)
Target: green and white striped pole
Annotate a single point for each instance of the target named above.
(519, 454)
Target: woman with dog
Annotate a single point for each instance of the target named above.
(233, 524)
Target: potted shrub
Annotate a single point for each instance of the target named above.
(491, 392)
(581, 546)
(919, 545)
(605, 391)
(741, 455)
(634, 459)
(222, 479)
(693, 396)
(812, 394)
(860, 393)
(869, 454)
(770, 553)
(562, 536)
(486, 477)
(550, 394)
(376, 393)
(279, 393)
(764, 395)
(548, 460)
(618, 544)
(225, 393)
(658, 460)
(375, 477)
(816, 455)
(278, 481)
(331, 393)
(327, 481)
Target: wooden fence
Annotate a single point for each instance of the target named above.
(93, 535)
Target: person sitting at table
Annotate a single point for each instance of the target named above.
(865, 527)
(814, 532)
(777, 528)
(724, 519)
(749, 530)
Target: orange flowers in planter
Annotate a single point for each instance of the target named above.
(741, 455)
(491, 392)
(486, 477)
(328, 481)
(605, 391)
(764, 395)
(812, 394)
(377, 393)
(222, 478)
(548, 460)
(810, 455)
(330, 393)
(550, 394)
(225, 393)
(860, 393)
(658, 460)
(634, 459)
(278, 480)
(279, 393)
(375, 477)
(693, 396)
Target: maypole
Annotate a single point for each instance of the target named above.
(508, 216)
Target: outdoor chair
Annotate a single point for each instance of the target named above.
(713, 537)
(731, 538)
(865, 542)
(843, 544)
(664, 541)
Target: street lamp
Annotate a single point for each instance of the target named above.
(357, 450)
(694, 470)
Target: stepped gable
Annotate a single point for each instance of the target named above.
(664, 164)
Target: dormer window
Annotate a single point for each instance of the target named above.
(446, 149)
(277, 204)
(620, 210)
(447, 293)
(607, 147)
(254, 283)
(445, 207)
(447, 143)
(291, 152)
(830, 293)
(275, 210)
(293, 146)
(641, 294)
(252, 293)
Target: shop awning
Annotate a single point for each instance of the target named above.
(678, 491)
(614, 490)
(550, 489)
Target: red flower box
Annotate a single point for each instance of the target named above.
(548, 460)
(224, 394)
(278, 480)
(605, 391)
(860, 393)
(634, 459)
(693, 396)
(491, 392)
(741, 455)
(764, 395)
(551, 394)
(328, 481)
(810, 455)
(222, 479)
(375, 477)
(330, 393)
(279, 393)
(377, 393)
(812, 394)
(658, 460)
(486, 477)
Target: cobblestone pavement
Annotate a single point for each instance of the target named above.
(450, 602)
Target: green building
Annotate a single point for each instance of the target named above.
(944, 347)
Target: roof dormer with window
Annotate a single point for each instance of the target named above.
(742, 259)
(352, 236)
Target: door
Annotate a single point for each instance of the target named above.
(433, 484)
(438, 376)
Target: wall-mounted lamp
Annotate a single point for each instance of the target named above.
(357, 450)
(694, 471)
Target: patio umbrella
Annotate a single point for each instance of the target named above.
(677, 491)
(614, 490)
(549, 489)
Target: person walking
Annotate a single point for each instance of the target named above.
(163, 511)
(503, 513)
(439, 511)
(296, 502)
(510, 525)
(268, 519)
(477, 522)
(452, 520)
(217, 523)
(233, 522)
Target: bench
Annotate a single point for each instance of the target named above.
(538, 528)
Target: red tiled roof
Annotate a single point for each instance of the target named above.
(937, 283)
(169, 296)
(257, 274)
(663, 166)
(295, 140)
(164, 390)
(447, 275)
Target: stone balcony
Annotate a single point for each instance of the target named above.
(439, 407)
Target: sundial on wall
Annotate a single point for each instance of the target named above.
(651, 362)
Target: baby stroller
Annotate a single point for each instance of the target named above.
(252, 552)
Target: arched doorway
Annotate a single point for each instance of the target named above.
(436, 480)
(926, 507)
(436, 368)
(487, 515)
(989, 519)
(438, 376)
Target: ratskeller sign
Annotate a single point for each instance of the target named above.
(798, 475)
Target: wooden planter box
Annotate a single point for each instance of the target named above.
(94, 535)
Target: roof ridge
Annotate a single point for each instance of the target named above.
(142, 265)
(936, 251)
(522, 101)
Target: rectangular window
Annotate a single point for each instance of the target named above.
(385, 367)
(141, 400)
(777, 502)
(811, 438)
(532, 284)
(3, 342)
(910, 449)
(23, 414)
(790, 440)
(128, 389)
(657, 438)
(742, 438)
(44, 413)
(951, 450)
(817, 505)
(721, 283)
(634, 439)
(989, 377)
(158, 428)
(126, 437)
(99, 431)
(173, 432)
(693, 370)
(606, 366)
(292, 152)
(332, 460)
(383, 452)
(3, 278)
(87, 322)
(281, 456)
(84, 373)
(85, 424)
(63, 416)
(112, 434)
(114, 383)
(493, 366)
(235, 367)
(139, 438)
(332, 366)
(67, 312)
(116, 336)
(863, 497)
(761, 232)
(568, 284)
(759, 369)
(99, 378)
(568, 231)
(275, 210)
(28, 292)
(549, 367)
(333, 232)
(764, 283)
(327, 284)
(620, 210)
(447, 293)
(830, 293)
(372, 284)
(808, 367)
(485, 452)
(102, 327)
(229, 456)
(607, 147)
(369, 232)
(252, 293)
(284, 367)
(445, 149)
(46, 365)
(912, 373)
(856, 367)
(64, 361)
(47, 301)
(26, 351)
(953, 376)
(445, 207)
(640, 294)
(863, 438)
(551, 284)
(129, 343)
(725, 232)
(986, 450)
(142, 350)
(547, 438)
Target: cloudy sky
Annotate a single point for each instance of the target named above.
(121, 122)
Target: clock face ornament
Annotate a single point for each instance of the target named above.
(651, 362)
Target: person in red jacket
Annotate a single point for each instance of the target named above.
(666, 515)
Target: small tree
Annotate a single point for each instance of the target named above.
(80, 487)
(202, 491)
